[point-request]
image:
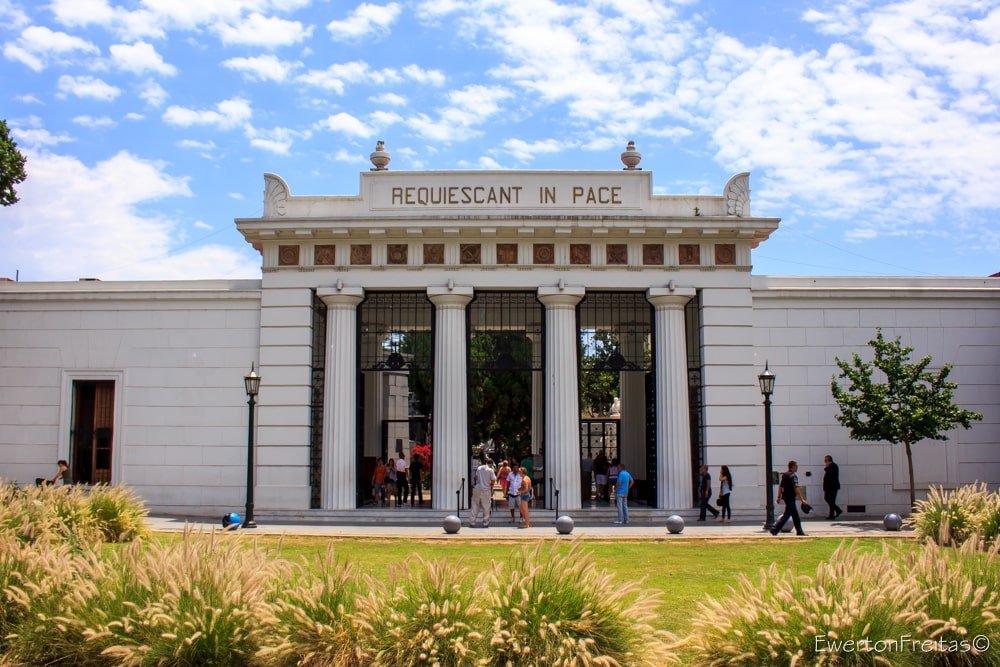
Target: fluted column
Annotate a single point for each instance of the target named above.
(450, 449)
(537, 395)
(673, 426)
(632, 423)
(338, 487)
(562, 400)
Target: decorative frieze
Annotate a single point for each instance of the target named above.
(616, 254)
(689, 254)
(397, 253)
(361, 254)
(652, 254)
(288, 255)
(543, 253)
(506, 253)
(579, 253)
(725, 254)
(325, 255)
(470, 253)
(433, 253)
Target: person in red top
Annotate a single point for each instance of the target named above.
(378, 482)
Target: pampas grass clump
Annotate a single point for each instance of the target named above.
(558, 609)
(118, 512)
(855, 608)
(952, 517)
(47, 513)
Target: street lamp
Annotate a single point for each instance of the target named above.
(252, 382)
(766, 380)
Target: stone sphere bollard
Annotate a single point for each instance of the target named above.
(564, 524)
(452, 524)
(892, 521)
(675, 524)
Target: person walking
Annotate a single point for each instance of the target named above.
(514, 480)
(525, 498)
(601, 476)
(725, 491)
(622, 487)
(391, 489)
(789, 490)
(705, 494)
(831, 485)
(402, 480)
(482, 493)
(378, 482)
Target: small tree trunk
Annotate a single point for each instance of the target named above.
(909, 468)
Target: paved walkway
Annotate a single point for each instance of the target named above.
(694, 529)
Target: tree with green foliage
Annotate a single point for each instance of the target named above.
(11, 167)
(598, 384)
(912, 403)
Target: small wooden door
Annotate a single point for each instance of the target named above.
(92, 433)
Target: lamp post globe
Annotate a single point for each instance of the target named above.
(766, 380)
(251, 382)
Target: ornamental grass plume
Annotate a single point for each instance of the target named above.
(312, 623)
(429, 613)
(782, 619)
(118, 513)
(952, 517)
(558, 609)
(47, 513)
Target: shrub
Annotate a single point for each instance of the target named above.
(46, 513)
(313, 621)
(951, 517)
(118, 513)
(430, 613)
(559, 609)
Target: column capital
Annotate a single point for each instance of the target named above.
(343, 297)
(665, 297)
(455, 296)
(555, 297)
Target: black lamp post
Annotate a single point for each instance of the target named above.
(252, 382)
(766, 380)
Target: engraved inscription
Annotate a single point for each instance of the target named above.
(506, 253)
(396, 253)
(725, 254)
(544, 253)
(579, 253)
(288, 255)
(433, 253)
(690, 254)
(361, 254)
(325, 255)
(652, 254)
(470, 253)
(617, 253)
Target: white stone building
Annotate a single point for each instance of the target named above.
(381, 317)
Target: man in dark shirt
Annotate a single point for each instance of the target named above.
(705, 494)
(831, 485)
(788, 492)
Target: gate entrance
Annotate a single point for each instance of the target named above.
(505, 349)
(617, 414)
(395, 360)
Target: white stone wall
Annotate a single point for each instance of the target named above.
(177, 352)
(801, 325)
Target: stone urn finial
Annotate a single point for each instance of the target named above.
(631, 157)
(380, 158)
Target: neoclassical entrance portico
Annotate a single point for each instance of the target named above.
(447, 237)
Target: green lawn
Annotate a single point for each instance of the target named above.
(685, 570)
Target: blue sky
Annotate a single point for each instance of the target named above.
(871, 128)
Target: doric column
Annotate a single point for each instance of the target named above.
(673, 428)
(632, 423)
(339, 474)
(450, 449)
(562, 400)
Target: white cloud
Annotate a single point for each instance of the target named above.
(262, 68)
(197, 145)
(36, 137)
(138, 58)
(382, 119)
(153, 94)
(235, 195)
(366, 19)
(343, 155)
(38, 46)
(131, 115)
(392, 99)
(201, 224)
(13, 16)
(336, 76)
(526, 151)
(27, 98)
(431, 77)
(87, 87)
(277, 140)
(347, 124)
(268, 32)
(468, 108)
(226, 115)
(94, 227)
(91, 121)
